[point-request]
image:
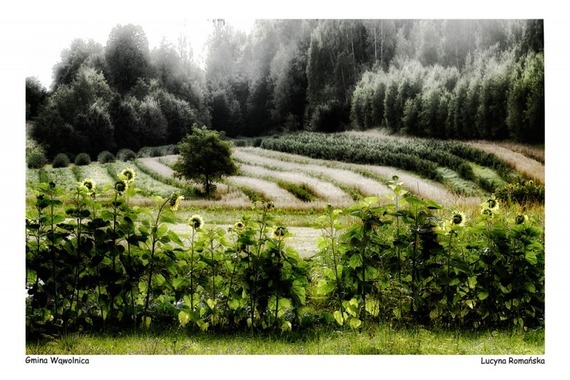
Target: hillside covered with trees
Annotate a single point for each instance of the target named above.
(460, 79)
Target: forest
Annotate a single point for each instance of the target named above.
(445, 79)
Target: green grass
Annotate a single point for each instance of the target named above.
(458, 184)
(302, 192)
(375, 340)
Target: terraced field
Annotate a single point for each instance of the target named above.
(273, 176)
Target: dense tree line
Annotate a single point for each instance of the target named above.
(437, 78)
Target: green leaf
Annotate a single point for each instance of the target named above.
(325, 287)
(233, 304)
(174, 237)
(354, 322)
(338, 317)
(298, 292)
(183, 318)
(372, 307)
(530, 287)
(202, 325)
(482, 295)
(471, 282)
(530, 257)
(211, 303)
(355, 261)
(286, 326)
(470, 304)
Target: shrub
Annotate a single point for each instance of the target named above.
(126, 155)
(36, 160)
(60, 161)
(105, 157)
(82, 159)
(522, 192)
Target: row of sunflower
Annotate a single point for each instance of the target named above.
(94, 261)
(411, 261)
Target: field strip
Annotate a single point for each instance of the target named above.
(365, 185)
(423, 187)
(325, 190)
(523, 164)
(97, 173)
(155, 165)
(270, 190)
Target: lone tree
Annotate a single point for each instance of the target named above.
(204, 157)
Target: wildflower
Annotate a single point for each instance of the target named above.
(121, 187)
(128, 175)
(195, 222)
(89, 184)
(174, 201)
(521, 219)
(458, 219)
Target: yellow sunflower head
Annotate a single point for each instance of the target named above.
(174, 201)
(457, 219)
(195, 222)
(89, 184)
(121, 186)
(128, 175)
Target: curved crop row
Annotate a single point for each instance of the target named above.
(422, 156)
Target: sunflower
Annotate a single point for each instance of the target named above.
(128, 175)
(490, 204)
(280, 232)
(457, 219)
(89, 184)
(121, 186)
(521, 219)
(174, 201)
(195, 222)
(239, 225)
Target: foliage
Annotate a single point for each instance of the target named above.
(302, 191)
(157, 151)
(460, 79)
(82, 159)
(126, 154)
(402, 263)
(497, 96)
(35, 154)
(522, 192)
(36, 95)
(36, 160)
(96, 262)
(204, 157)
(60, 161)
(105, 157)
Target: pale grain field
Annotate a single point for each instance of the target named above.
(413, 183)
(323, 189)
(313, 167)
(527, 166)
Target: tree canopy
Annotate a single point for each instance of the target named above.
(458, 79)
(204, 157)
